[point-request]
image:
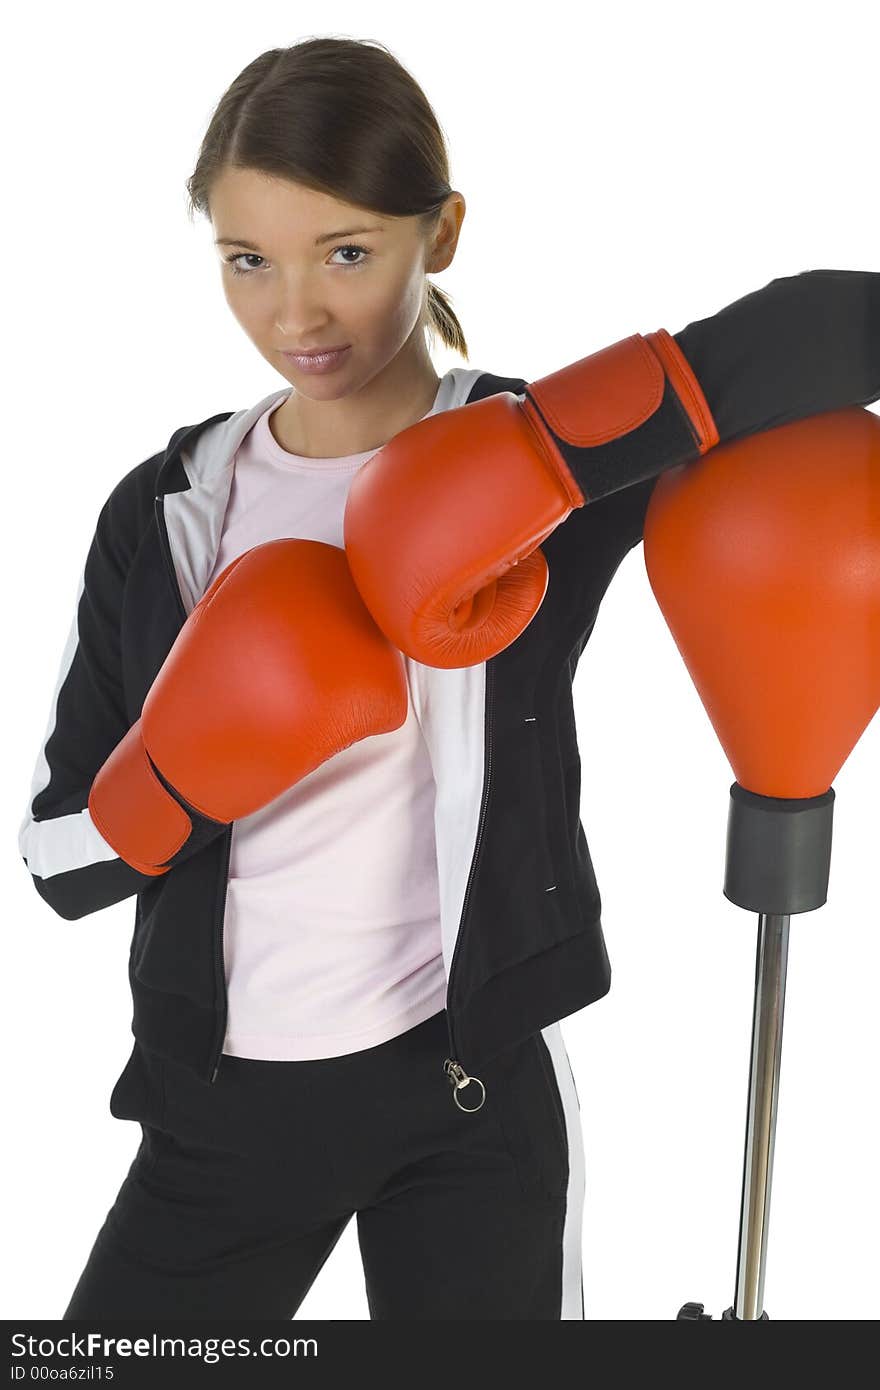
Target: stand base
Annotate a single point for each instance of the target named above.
(693, 1312)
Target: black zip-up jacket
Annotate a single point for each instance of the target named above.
(520, 907)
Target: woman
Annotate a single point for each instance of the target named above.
(419, 909)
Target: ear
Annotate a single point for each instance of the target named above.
(445, 238)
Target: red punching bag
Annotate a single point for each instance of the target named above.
(764, 556)
(765, 560)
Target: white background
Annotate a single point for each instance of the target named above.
(626, 168)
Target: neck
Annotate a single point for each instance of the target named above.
(402, 393)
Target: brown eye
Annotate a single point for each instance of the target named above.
(242, 255)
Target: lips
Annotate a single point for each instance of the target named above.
(313, 352)
(319, 363)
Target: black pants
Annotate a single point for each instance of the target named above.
(240, 1190)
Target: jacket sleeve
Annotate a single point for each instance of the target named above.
(73, 867)
(821, 331)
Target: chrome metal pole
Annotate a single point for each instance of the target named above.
(769, 1008)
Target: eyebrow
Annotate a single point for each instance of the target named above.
(327, 236)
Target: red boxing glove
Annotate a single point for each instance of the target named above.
(278, 667)
(443, 524)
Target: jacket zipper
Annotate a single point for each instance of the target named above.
(219, 963)
(452, 1066)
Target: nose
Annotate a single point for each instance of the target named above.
(302, 328)
(299, 314)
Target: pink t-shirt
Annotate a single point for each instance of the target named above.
(332, 927)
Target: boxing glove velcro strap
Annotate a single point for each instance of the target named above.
(610, 417)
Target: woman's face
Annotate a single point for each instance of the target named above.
(315, 272)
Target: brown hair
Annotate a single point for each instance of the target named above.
(341, 116)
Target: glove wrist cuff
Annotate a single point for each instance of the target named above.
(140, 814)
